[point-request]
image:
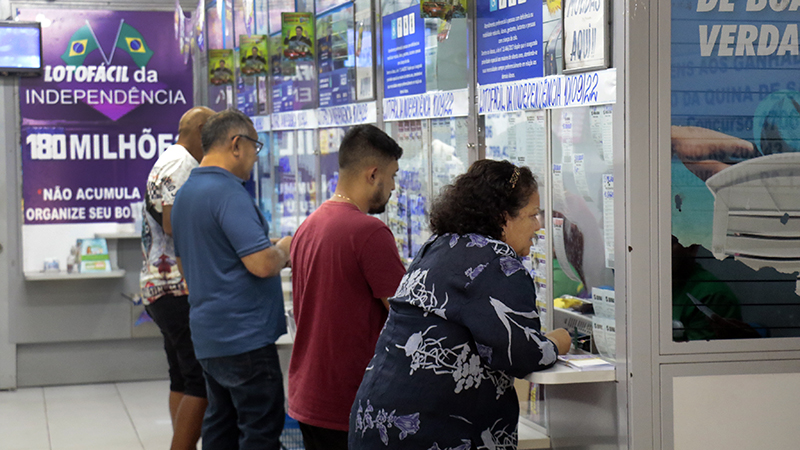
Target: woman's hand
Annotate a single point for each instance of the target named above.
(561, 338)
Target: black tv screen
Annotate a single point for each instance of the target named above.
(20, 48)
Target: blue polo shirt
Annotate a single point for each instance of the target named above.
(214, 224)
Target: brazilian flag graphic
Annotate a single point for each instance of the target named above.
(80, 45)
(132, 42)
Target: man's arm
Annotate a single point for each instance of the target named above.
(180, 266)
(166, 219)
(269, 261)
(385, 301)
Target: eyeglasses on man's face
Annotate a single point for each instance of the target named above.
(258, 144)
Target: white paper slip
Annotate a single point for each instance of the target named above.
(567, 145)
(579, 172)
(595, 124)
(585, 362)
(602, 307)
(608, 219)
(608, 133)
(511, 137)
(559, 195)
(535, 142)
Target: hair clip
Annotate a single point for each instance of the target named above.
(514, 178)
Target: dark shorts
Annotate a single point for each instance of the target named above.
(171, 314)
(316, 438)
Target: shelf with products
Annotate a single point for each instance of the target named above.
(531, 436)
(123, 235)
(88, 258)
(563, 374)
(49, 276)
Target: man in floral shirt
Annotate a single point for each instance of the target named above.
(164, 290)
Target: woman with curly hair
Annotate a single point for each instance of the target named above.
(462, 324)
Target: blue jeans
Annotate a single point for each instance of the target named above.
(245, 401)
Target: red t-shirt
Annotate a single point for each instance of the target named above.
(343, 262)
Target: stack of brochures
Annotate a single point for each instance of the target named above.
(94, 255)
(586, 362)
(603, 322)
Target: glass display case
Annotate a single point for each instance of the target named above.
(336, 61)
(307, 170)
(285, 218)
(265, 181)
(329, 141)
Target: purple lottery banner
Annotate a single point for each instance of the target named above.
(106, 107)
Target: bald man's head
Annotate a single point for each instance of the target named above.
(190, 130)
(194, 119)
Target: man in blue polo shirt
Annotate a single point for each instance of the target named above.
(236, 303)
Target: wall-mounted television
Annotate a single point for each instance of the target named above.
(20, 48)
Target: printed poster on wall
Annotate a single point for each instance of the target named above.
(220, 66)
(509, 40)
(297, 31)
(585, 34)
(294, 86)
(253, 55)
(403, 53)
(735, 139)
(107, 105)
(336, 56)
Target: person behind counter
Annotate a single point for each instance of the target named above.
(462, 324)
(236, 302)
(345, 265)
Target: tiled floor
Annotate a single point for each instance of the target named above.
(117, 416)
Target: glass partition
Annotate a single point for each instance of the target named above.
(449, 151)
(329, 141)
(276, 7)
(336, 61)
(445, 45)
(285, 182)
(583, 226)
(243, 20)
(735, 169)
(306, 174)
(262, 17)
(265, 178)
(408, 207)
(365, 69)
(521, 138)
(446, 41)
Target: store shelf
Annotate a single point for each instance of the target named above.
(286, 339)
(561, 374)
(530, 438)
(119, 235)
(45, 276)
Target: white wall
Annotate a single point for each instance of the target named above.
(8, 354)
(65, 332)
(722, 412)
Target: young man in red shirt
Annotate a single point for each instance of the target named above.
(345, 266)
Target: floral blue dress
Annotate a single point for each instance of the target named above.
(462, 324)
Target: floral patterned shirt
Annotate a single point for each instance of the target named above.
(160, 274)
(462, 324)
